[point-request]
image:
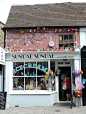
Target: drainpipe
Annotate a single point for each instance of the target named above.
(4, 65)
(80, 69)
(3, 68)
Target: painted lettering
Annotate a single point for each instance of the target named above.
(36, 56)
(51, 55)
(14, 56)
(21, 68)
(44, 69)
(17, 69)
(34, 65)
(25, 66)
(21, 56)
(42, 56)
(14, 71)
(28, 56)
(29, 65)
(38, 67)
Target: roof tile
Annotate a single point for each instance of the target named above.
(61, 14)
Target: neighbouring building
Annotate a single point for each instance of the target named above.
(1, 35)
(2, 55)
(40, 38)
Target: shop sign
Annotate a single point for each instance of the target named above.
(29, 65)
(2, 56)
(42, 56)
(2, 100)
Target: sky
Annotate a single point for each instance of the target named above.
(5, 5)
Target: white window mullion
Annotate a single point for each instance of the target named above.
(24, 75)
(48, 65)
(36, 75)
(12, 76)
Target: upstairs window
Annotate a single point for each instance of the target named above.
(66, 41)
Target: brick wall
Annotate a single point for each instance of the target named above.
(1, 36)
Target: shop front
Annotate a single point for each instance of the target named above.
(2, 66)
(27, 85)
(2, 79)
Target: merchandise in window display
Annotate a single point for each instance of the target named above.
(31, 84)
(22, 74)
(27, 73)
(34, 74)
(18, 84)
(41, 84)
(50, 81)
(27, 86)
(17, 74)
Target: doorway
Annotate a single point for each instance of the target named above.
(65, 71)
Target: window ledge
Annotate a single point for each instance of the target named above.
(31, 92)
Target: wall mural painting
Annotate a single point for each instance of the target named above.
(19, 39)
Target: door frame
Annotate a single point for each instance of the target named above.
(63, 65)
(58, 81)
(57, 78)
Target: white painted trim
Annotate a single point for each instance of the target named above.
(29, 92)
(45, 52)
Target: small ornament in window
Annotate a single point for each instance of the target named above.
(60, 38)
(22, 30)
(57, 72)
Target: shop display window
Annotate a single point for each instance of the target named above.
(30, 83)
(42, 84)
(18, 83)
(42, 68)
(18, 69)
(30, 68)
(31, 76)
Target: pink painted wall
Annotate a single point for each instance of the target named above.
(32, 38)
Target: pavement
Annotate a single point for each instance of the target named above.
(45, 110)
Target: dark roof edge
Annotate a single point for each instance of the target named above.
(42, 27)
(2, 23)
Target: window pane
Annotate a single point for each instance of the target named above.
(61, 46)
(18, 68)
(65, 38)
(66, 45)
(70, 38)
(30, 68)
(67, 62)
(42, 84)
(18, 83)
(42, 68)
(30, 83)
(71, 45)
(60, 39)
